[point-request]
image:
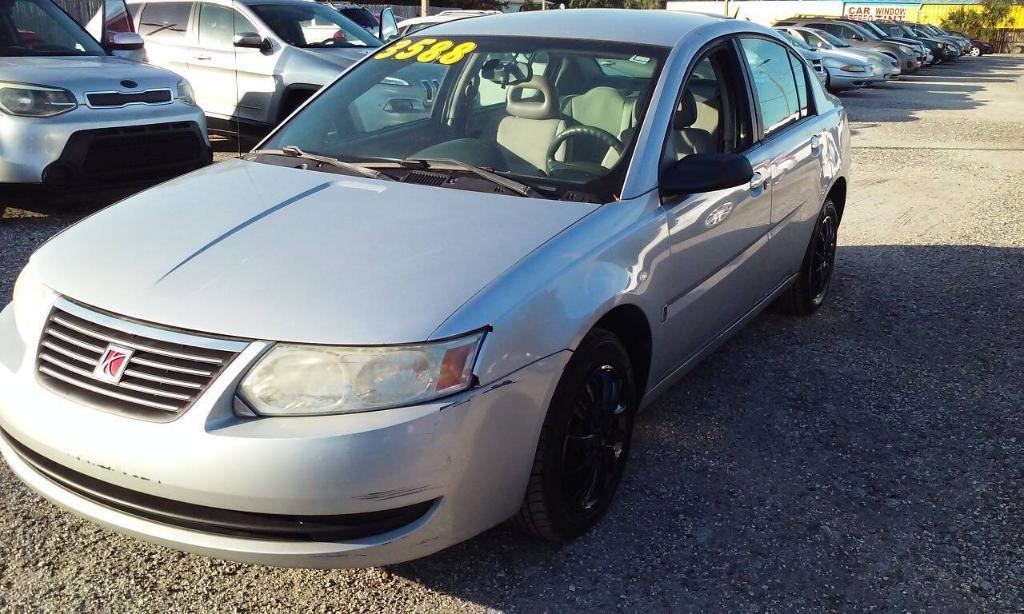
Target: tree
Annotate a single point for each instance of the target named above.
(980, 24)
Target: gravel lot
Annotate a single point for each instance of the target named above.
(866, 458)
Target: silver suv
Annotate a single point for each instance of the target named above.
(73, 116)
(254, 61)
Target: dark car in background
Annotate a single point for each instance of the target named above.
(942, 50)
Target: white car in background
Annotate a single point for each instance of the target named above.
(251, 61)
(415, 24)
(72, 117)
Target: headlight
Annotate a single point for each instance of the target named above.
(309, 380)
(32, 303)
(185, 93)
(29, 100)
(940, 45)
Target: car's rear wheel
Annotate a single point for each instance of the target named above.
(584, 442)
(812, 284)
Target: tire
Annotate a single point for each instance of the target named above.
(975, 52)
(812, 284)
(583, 444)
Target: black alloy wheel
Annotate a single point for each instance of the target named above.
(584, 443)
(811, 286)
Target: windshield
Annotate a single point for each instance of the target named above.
(499, 103)
(908, 32)
(870, 27)
(867, 34)
(313, 26)
(360, 15)
(835, 41)
(796, 41)
(39, 28)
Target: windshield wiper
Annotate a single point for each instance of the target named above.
(509, 184)
(293, 151)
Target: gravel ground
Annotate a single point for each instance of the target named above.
(867, 458)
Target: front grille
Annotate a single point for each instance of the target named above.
(121, 99)
(109, 157)
(140, 148)
(161, 381)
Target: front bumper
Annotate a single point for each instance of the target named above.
(461, 464)
(55, 151)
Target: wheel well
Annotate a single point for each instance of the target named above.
(838, 196)
(629, 324)
(291, 101)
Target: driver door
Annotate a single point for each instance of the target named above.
(719, 240)
(231, 82)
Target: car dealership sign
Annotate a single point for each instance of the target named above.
(896, 12)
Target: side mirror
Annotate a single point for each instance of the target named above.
(698, 173)
(125, 41)
(388, 25)
(250, 40)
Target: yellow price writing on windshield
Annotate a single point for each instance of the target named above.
(427, 50)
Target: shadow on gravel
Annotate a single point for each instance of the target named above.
(943, 87)
(867, 457)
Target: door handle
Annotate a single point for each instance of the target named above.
(758, 181)
(203, 57)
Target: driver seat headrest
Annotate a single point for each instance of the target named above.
(686, 112)
(545, 108)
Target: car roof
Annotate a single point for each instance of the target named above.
(663, 28)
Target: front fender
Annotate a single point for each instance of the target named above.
(548, 301)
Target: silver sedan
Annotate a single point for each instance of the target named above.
(372, 339)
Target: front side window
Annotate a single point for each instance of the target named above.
(504, 103)
(218, 26)
(39, 28)
(313, 26)
(165, 19)
(775, 86)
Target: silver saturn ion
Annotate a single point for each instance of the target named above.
(72, 116)
(401, 321)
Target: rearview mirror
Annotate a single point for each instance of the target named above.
(506, 72)
(388, 25)
(250, 40)
(698, 173)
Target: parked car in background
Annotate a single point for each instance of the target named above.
(415, 24)
(72, 117)
(251, 61)
(893, 30)
(857, 35)
(842, 72)
(819, 39)
(962, 43)
(360, 15)
(357, 347)
(924, 49)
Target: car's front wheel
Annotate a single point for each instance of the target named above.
(584, 442)
(813, 281)
(975, 52)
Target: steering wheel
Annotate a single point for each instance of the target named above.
(582, 170)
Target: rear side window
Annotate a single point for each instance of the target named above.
(165, 19)
(776, 89)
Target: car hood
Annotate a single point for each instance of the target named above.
(343, 57)
(846, 55)
(86, 74)
(251, 250)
